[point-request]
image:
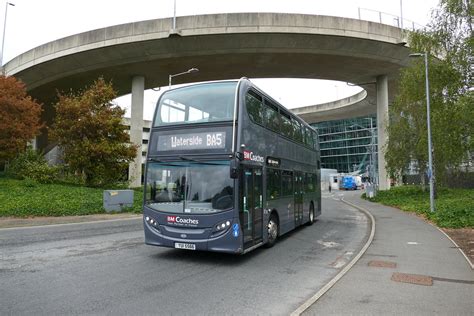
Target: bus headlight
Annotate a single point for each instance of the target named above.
(222, 226)
(152, 222)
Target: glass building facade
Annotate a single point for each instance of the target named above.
(349, 145)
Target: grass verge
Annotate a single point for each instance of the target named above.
(25, 198)
(454, 207)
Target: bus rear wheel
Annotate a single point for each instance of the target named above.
(311, 214)
(272, 229)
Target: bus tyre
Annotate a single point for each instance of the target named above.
(272, 228)
(311, 214)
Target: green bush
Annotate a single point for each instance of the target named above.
(25, 198)
(32, 165)
(454, 207)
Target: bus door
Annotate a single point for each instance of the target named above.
(298, 181)
(251, 205)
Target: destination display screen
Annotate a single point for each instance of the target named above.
(273, 162)
(192, 141)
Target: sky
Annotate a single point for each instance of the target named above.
(31, 23)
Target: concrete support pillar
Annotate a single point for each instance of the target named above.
(382, 123)
(136, 129)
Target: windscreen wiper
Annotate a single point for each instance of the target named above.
(199, 161)
(154, 160)
(163, 162)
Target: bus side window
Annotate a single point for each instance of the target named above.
(309, 138)
(297, 132)
(305, 136)
(273, 184)
(309, 182)
(272, 118)
(287, 183)
(286, 127)
(254, 106)
(315, 140)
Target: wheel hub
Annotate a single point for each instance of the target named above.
(272, 230)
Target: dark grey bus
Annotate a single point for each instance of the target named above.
(228, 169)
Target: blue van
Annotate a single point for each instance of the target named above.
(349, 183)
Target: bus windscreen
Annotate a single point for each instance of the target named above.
(202, 103)
(189, 187)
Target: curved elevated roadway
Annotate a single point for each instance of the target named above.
(141, 55)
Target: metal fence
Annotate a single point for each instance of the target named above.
(387, 18)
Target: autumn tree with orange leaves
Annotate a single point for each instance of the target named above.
(20, 117)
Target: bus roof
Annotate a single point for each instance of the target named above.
(255, 87)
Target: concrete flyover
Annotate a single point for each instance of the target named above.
(256, 45)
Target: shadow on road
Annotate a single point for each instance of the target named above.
(215, 257)
(204, 257)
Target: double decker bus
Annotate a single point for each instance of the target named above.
(228, 169)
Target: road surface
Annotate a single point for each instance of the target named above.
(98, 268)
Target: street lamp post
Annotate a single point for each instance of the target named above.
(347, 148)
(401, 14)
(182, 73)
(428, 121)
(174, 16)
(4, 28)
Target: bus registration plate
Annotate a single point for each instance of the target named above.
(180, 245)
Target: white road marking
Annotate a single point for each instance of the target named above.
(328, 244)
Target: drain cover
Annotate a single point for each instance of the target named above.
(382, 264)
(412, 278)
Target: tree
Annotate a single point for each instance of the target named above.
(19, 118)
(449, 38)
(89, 129)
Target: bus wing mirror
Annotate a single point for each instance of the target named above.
(234, 168)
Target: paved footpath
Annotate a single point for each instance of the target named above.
(410, 268)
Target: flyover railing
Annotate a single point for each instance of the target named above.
(387, 18)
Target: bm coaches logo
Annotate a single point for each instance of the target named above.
(249, 155)
(180, 220)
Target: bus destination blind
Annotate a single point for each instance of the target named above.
(191, 141)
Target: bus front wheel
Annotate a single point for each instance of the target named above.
(272, 228)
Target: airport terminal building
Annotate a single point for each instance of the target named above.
(348, 145)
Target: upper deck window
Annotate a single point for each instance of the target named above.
(315, 140)
(272, 118)
(209, 102)
(297, 132)
(286, 126)
(309, 137)
(254, 106)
